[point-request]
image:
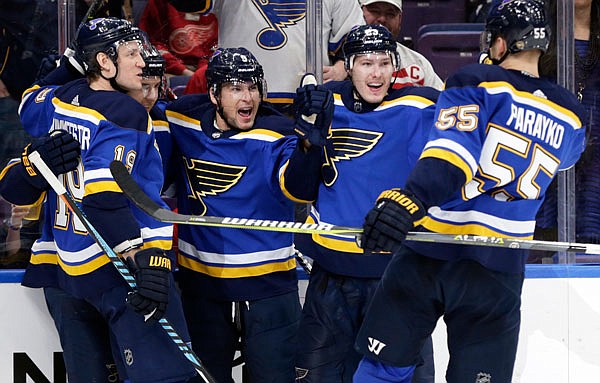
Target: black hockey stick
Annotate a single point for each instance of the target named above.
(62, 193)
(89, 15)
(133, 191)
(146, 204)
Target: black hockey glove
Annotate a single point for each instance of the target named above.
(313, 109)
(393, 216)
(152, 271)
(60, 151)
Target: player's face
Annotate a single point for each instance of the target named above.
(371, 75)
(384, 14)
(148, 95)
(239, 101)
(130, 61)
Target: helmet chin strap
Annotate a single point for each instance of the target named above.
(113, 80)
(500, 60)
(221, 113)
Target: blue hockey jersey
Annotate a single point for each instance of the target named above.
(109, 126)
(509, 134)
(372, 150)
(232, 174)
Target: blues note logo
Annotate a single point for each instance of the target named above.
(345, 144)
(279, 14)
(206, 178)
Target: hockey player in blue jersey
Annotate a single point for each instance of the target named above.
(235, 156)
(80, 326)
(377, 135)
(501, 135)
(109, 125)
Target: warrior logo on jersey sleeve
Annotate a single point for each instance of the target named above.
(210, 178)
(346, 143)
(279, 15)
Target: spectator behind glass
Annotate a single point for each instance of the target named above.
(19, 231)
(414, 68)
(28, 33)
(22, 46)
(275, 33)
(186, 40)
(587, 87)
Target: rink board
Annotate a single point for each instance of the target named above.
(559, 341)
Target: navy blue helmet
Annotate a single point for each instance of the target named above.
(234, 65)
(103, 35)
(155, 63)
(365, 39)
(522, 23)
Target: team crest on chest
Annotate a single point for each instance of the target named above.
(206, 178)
(346, 143)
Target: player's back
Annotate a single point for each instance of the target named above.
(108, 125)
(510, 133)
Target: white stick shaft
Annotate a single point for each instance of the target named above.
(47, 173)
(309, 79)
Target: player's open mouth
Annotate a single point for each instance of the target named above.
(375, 86)
(245, 112)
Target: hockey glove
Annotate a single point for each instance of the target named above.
(47, 65)
(152, 271)
(60, 151)
(387, 224)
(313, 109)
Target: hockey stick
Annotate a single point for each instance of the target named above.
(133, 191)
(62, 193)
(89, 15)
(146, 204)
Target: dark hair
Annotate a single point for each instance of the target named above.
(548, 62)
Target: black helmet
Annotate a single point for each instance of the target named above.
(522, 23)
(234, 64)
(103, 35)
(369, 39)
(155, 63)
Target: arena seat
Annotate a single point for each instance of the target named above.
(416, 13)
(178, 84)
(449, 46)
(178, 80)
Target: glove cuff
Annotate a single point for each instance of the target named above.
(31, 174)
(128, 245)
(26, 163)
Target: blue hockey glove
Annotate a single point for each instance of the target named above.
(313, 108)
(60, 151)
(59, 70)
(47, 65)
(152, 271)
(387, 224)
